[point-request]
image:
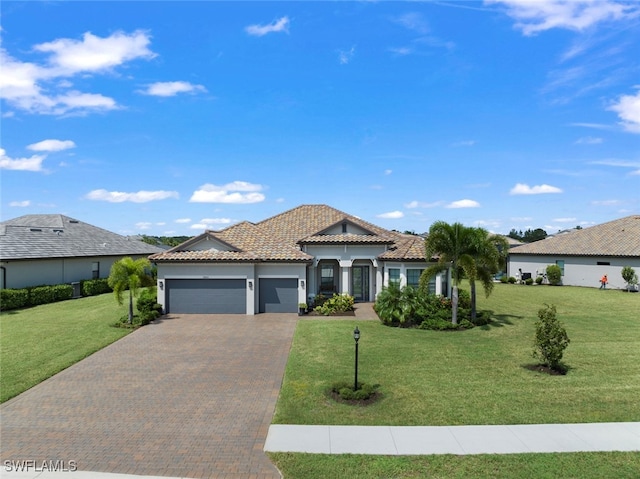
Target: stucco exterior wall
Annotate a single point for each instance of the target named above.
(578, 270)
(26, 273)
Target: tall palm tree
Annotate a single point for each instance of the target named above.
(130, 274)
(451, 244)
(488, 252)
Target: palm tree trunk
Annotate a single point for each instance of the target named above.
(130, 307)
(454, 305)
(473, 302)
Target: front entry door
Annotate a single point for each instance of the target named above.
(360, 283)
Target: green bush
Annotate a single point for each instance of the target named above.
(554, 274)
(539, 280)
(464, 298)
(630, 277)
(551, 338)
(338, 303)
(512, 280)
(94, 287)
(49, 294)
(439, 324)
(504, 279)
(148, 300)
(528, 281)
(346, 392)
(13, 299)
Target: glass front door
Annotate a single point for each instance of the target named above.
(360, 283)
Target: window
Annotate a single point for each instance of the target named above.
(394, 275)
(95, 270)
(344, 227)
(560, 262)
(413, 277)
(603, 263)
(326, 277)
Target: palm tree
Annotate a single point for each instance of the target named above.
(489, 253)
(130, 274)
(451, 244)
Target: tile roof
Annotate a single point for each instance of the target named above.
(59, 236)
(616, 238)
(280, 237)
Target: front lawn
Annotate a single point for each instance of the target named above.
(592, 465)
(38, 342)
(477, 376)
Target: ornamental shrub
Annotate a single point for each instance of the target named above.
(630, 277)
(554, 275)
(49, 294)
(539, 280)
(504, 279)
(93, 287)
(13, 299)
(551, 338)
(528, 281)
(512, 280)
(346, 392)
(338, 303)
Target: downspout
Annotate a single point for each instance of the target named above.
(4, 277)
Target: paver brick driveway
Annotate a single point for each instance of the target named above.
(188, 396)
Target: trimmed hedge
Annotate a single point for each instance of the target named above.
(13, 299)
(25, 297)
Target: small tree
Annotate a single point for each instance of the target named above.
(554, 274)
(551, 338)
(129, 274)
(630, 276)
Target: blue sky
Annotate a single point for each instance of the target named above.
(169, 118)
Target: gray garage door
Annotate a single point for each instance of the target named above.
(278, 295)
(206, 296)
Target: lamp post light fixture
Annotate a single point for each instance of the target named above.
(356, 337)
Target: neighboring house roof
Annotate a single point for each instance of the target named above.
(616, 238)
(58, 236)
(281, 238)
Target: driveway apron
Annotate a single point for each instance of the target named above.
(187, 396)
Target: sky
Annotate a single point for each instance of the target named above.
(169, 118)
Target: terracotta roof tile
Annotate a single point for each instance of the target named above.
(279, 238)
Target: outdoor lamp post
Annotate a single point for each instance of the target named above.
(356, 337)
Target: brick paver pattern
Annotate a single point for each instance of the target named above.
(186, 396)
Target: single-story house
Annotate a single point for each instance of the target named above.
(584, 255)
(285, 260)
(52, 249)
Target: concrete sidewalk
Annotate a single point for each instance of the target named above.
(421, 440)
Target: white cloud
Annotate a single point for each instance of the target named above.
(172, 88)
(589, 140)
(388, 172)
(44, 88)
(279, 25)
(93, 53)
(20, 204)
(138, 197)
(52, 145)
(183, 220)
(33, 163)
(534, 16)
(628, 109)
(421, 204)
(565, 220)
(143, 225)
(524, 189)
(239, 192)
(413, 21)
(463, 204)
(345, 56)
(622, 164)
(521, 218)
(606, 202)
(391, 215)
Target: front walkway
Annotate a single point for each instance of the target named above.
(186, 396)
(420, 440)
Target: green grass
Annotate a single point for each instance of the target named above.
(472, 377)
(593, 465)
(38, 342)
(476, 376)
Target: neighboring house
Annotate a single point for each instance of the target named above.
(584, 255)
(55, 249)
(274, 265)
